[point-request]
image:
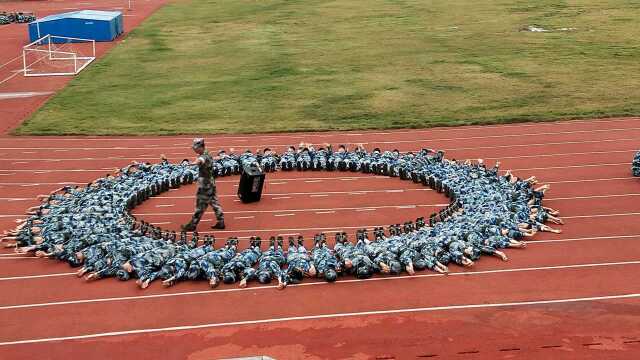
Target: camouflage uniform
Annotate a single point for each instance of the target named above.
(206, 194)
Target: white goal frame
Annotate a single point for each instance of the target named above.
(50, 53)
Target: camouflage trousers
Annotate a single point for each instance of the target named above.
(206, 196)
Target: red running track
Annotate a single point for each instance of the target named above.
(569, 296)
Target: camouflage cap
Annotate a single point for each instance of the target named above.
(198, 143)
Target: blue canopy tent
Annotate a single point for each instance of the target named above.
(83, 24)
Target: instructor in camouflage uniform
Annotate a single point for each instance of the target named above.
(206, 194)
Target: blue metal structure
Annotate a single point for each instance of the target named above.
(83, 24)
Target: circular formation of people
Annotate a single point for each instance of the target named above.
(91, 227)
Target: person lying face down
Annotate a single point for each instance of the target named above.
(354, 259)
(107, 259)
(147, 266)
(210, 265)
(299, 264)
(269, 266)
(241, 265)
(379, 252)
(269, 160)
(324, 260)
(288, 159)
(461, 252)
(177, 268)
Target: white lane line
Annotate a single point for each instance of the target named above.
(321, 283)
(572, 166)
(317, 180)
(327, 229)
(325, 212)
(630, 151)
(298, 136)
(181, 156)
(284, 215)
(531, 242)
(369, 208)
(281, 197)
(600, 215)
(17, 163)
(165, 205)
(313, 181)
(328, 316)
(272, 183)
(35, 276)
(243, 217)
(319, 195)
(613, 237)
(359, 210)
(542, 144)
(590, 197)
(10, 174)
(416, 140)
(299, 210)
(162, 223)
(589, 180)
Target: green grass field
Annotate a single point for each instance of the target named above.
(235, 66)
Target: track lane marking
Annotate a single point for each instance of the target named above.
(320, 283)
(329, 316)
(425, 140)
(387, 132)
(181, 156)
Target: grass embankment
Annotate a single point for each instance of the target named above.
(283, 65)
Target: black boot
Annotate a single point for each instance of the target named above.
(219, 225)
(188, 226)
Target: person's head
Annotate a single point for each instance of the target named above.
(330, 275)
(122, 275)
(395, 267)
(291, 148)
(364, 272)
(194, 271)
(229, 277)
(266, 151)
(342, 148)
(420, 264)
(296, 275)
(73, 260)
(198, 146)
(264, 277)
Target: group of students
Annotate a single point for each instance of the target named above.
(91, 227)
(635, 165)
